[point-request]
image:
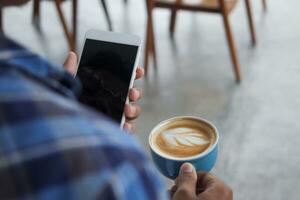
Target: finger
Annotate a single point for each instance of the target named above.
(135, 94)
(131, 128)
(132, 111)
(71, 63)
(212, 186)
(139, 73)
(199, 190)
(127, 126)
(206, 180)
(186, 182)
(172, 191)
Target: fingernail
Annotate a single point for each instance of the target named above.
(187, 168)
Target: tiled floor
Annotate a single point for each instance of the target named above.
(258, 119)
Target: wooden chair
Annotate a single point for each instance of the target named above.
(70, 34)
(223, 7)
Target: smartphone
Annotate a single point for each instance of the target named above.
(107, 70)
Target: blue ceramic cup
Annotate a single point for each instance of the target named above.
(169, 166)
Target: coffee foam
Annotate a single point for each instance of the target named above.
(183, 138)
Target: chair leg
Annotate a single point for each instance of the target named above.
(1, 20)
(36, 11)
(107, 15)
(173, 22)
(150, 39)
(264, 4)
(150, 45)
(153, 48)
(232, 48)
(74, 21)
(64, 24)
(147, 47)
(250, 20)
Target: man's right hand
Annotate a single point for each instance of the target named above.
(202, 186)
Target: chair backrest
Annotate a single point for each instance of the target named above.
(4, 3)
(204, 5)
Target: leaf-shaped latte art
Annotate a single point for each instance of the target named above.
(184, 137)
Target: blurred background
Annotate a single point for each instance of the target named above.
(258, 118)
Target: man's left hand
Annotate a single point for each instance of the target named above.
(132, 110)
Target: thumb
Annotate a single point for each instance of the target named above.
(186, 182)
(71, 63)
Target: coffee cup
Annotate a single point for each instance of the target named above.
(184, 139)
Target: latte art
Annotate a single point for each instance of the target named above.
(184, 137)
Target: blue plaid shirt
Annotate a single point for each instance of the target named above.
(51, 147)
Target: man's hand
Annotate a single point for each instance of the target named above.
(202, 186)
(132, 110)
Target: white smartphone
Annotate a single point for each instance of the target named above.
(107, 70)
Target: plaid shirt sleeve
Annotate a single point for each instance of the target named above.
(51, 147)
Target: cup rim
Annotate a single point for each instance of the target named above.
(189, 158)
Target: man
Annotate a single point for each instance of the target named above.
(52, 147)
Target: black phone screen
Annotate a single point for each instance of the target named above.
(105, 70)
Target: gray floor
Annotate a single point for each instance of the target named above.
(258, 119)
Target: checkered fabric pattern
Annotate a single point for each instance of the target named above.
(52, 147)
